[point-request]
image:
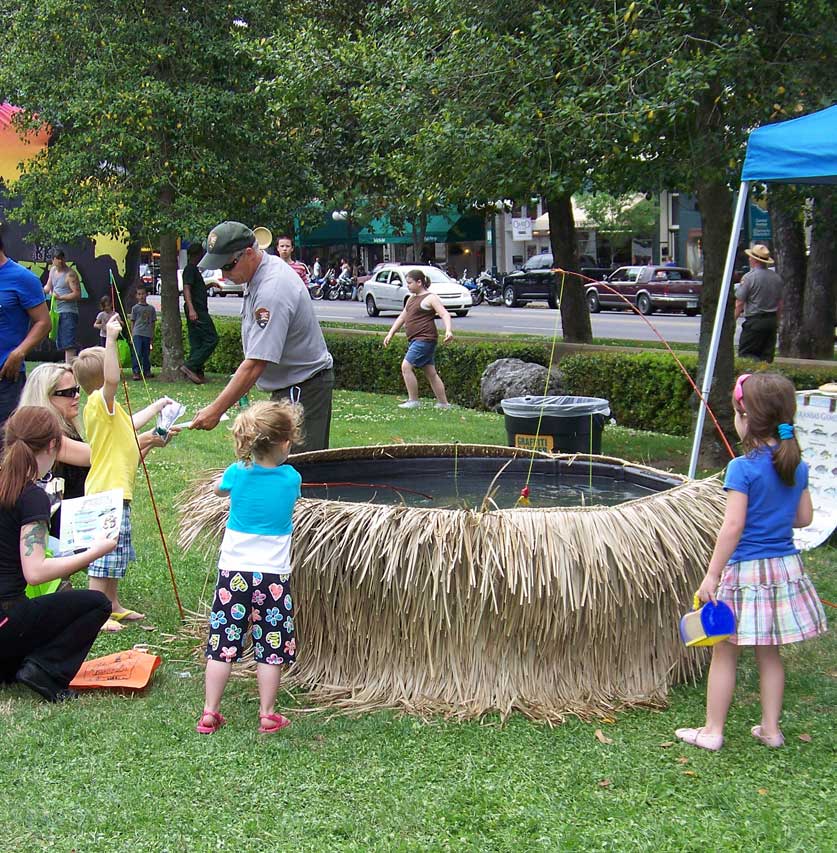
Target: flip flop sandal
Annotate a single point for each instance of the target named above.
(217, 721)
(277, 720)
(773, 741)
(127, 616)
(110, 627)
(699, 738)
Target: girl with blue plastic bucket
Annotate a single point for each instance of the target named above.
(755, 568)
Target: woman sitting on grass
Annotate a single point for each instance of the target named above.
(44, 640)
(419, 315)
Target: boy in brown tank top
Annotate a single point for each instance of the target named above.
(419, 315)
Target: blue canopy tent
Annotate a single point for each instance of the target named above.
(799, 151)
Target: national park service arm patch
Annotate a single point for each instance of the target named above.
(262, 316)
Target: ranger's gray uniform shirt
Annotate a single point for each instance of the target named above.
(761, 292)
(279, 326)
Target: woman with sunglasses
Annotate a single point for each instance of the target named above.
(54, 387)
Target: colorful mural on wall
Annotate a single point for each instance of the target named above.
(93, 259)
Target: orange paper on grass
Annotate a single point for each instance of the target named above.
(131, 670)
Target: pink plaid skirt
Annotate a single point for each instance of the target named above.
(773, 600)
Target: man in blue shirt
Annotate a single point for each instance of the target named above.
(24, 323)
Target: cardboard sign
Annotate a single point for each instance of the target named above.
(816, 430)
(131, 670)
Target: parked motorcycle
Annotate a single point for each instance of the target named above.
(483, 288)
(492, 289)
(471, 284)
(342, 287)
(315, 288)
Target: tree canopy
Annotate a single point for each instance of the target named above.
(159, 130)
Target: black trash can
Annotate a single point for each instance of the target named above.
(556, 424)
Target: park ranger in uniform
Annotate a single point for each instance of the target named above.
(284, 349)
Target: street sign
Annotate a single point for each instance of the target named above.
(761, 230)
(522, 228)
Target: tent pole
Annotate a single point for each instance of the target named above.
(712, 355)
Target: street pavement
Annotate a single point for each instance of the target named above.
(534, 319)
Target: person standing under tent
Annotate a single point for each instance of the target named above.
(759, 298)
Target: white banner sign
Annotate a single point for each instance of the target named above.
(816, 430)
(522, 229)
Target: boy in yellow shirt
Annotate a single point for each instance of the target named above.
(114, 456)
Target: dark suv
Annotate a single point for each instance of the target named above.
(536, 281)
(649, 288)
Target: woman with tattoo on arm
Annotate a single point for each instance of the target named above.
(44, 640)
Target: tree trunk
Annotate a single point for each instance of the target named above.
(172, 330)
(789, 250)
(715, 200)
(575, 318)
(818, 310)
(419, 233)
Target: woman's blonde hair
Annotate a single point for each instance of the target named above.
(767, 400)
(39, 388)
(263, 425)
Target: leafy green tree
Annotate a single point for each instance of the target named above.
(620, 215)
(702, 75)
(159, 127)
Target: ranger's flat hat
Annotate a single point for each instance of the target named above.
(224, 242)
(760, 252)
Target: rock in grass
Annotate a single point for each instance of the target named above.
(512, 377)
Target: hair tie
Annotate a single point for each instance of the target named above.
(785, 431)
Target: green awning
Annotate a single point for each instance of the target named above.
(441, 228)
(449, 227)
(329, 232)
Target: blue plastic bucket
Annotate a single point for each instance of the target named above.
(707, 625)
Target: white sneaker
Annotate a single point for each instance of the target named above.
(442, 405)
(409, 404)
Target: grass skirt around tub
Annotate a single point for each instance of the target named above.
(774, 601)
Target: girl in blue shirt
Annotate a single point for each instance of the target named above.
(755, 567)
(254, 570)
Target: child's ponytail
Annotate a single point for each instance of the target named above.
(788, 456)
(768, 401)
(30, 430)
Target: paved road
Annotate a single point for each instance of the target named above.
(534, 319)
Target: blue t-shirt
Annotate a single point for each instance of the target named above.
(260, 524)
(20, 290)
(771, 505)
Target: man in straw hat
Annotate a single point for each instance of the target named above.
(284, 349)
(758, 297)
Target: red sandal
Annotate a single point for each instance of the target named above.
(217, 721)
(277, 722)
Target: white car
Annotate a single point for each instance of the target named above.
(386, 289)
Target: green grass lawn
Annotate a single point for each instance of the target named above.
(113, 772)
